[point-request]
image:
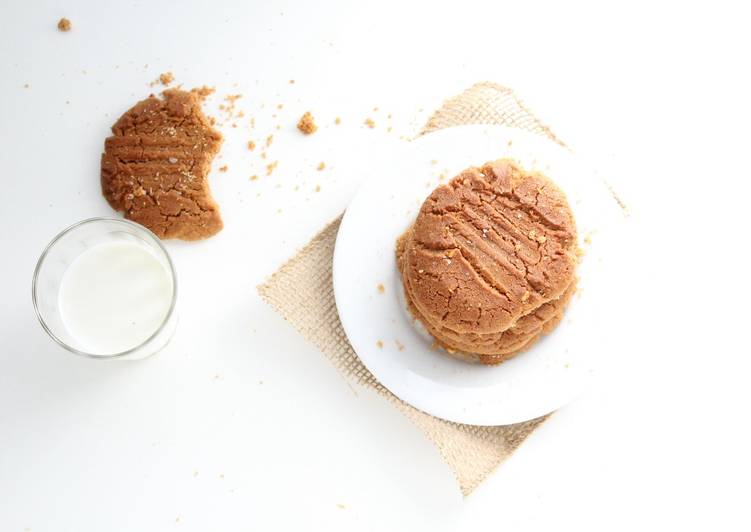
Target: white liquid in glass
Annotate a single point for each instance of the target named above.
(114, 296)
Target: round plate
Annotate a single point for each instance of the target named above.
(369, 292)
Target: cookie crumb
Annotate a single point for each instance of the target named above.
(292, 82)
(253, 177)
(251, 145)
(263, 154)
(379, 344)
(541, 239)
(399, 345)
(166, 78)
(337, 120)
(509, 143)
(306, 124)
(269, 140)
(64, 24)
(369, 122)
(318, 188)
(433, 162)
(202, 92)
(321, 166)
(381, 289)
(280, 106)
(223, 168)
(271, 167)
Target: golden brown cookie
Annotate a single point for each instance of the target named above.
(155, 166)
(489, 264)
(496, 347)
(507, 342)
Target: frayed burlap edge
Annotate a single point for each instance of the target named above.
(302, 292)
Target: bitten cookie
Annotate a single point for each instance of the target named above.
(155, 166)
(489, 264)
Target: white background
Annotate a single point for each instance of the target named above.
(242, 425)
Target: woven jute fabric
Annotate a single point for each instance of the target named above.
(302, 292)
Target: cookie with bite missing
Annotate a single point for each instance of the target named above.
(155, 166)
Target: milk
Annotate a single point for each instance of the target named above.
(114, 296)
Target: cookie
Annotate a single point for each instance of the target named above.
(507, 342)
(155, 166)
(494, 348)
(489, 264)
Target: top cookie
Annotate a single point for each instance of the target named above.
(490, 246)
(155, 166)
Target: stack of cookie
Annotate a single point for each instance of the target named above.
(489, 264)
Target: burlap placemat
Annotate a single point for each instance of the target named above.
(302, 292)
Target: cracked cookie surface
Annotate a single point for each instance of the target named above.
(489, 264)
(155, 166)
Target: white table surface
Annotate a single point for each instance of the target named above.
(240, 424)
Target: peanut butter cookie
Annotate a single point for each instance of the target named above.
(155, 166)
(489, 264)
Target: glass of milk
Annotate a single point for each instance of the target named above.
(106, 288)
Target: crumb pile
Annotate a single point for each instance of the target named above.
(156, 164)
(306, 124)
(64, 24)
(490, 263)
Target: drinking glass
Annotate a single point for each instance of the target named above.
(60, 254)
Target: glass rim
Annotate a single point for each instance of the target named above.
(67, 230)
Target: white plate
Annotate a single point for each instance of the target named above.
(534, 383)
